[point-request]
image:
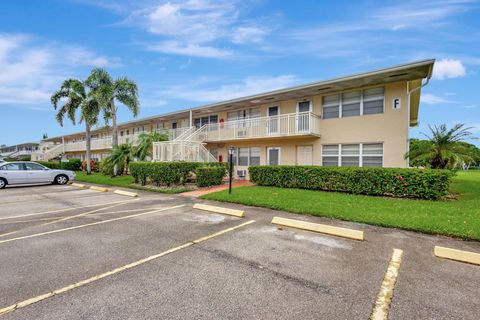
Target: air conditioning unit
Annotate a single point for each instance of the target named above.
(241, 173)
(241, 133)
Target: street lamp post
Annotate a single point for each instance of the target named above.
(231, 151)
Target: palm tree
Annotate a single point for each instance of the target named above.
(108, 91)
(444, 147)
(146, 140)
(77, 98)
(119, 157)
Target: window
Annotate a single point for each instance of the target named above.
(34, 166)
(354, 103)
(331, 107)
(372, 155)
(353, 155)
(351, 104)
(13, 167)
(330, 155)
(241, 116)
(350, 155)
(199, 122)
(243, 156)
(373, 100)
(247, 156)
(303, 106)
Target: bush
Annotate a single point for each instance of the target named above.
(210, 176)
(166, 173)
(107, 170)
(93, 165)
(411, 183)
(72, 164)
(51, 165)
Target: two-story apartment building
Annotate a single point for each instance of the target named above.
(18, 150)
(358, 120)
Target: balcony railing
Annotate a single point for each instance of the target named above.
(286, 125)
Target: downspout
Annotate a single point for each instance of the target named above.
(191, 119)
(409, 92)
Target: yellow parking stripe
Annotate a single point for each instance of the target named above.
(380, 311)
(89, 224)
(36, 299)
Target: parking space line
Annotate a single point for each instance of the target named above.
(90, 215)
(65, 218)
(89, 224)
(61, 210)
(50, 294)
(384, 297)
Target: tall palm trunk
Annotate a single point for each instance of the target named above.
(87, 145)
(114, 128)
(114, 135)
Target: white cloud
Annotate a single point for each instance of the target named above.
(448, 68)
(31, 70)
(246, 87)
(196, 27)
(190, 49)
(430, 98)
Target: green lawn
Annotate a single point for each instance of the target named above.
(458, 218)
(121, 181)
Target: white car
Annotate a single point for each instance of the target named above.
(25, 172)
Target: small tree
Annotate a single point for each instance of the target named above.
(444, 147)
(119, 157)
(146, 140)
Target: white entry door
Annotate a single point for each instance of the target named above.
(304, 155)
(273, 124)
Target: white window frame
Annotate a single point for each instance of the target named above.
(310, 107)
(237, 155)
(360, 154)
(279, 155)
(340, 102)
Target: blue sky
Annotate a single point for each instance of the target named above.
(188, 53)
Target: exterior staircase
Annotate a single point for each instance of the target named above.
(188, 146)
(52, 153)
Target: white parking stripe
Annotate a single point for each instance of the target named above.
(61, 210)
(50, 294)
(89, 224)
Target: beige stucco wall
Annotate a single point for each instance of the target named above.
(390, 128)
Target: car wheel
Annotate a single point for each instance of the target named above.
(61, 179)
(3, 183)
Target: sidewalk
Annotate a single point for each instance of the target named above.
(201, 191)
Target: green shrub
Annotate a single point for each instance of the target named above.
(166, 173)
(210, 176)
(411, 183)
(51, 165)
(72, 164)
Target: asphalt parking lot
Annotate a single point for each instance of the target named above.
(116, 257)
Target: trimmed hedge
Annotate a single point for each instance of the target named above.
(166, 173)
(72, 164)
(210, 176)
(411, 183)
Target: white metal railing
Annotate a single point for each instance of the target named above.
(51, 153)
(305, 123)
(181, 151)
(185, 134)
